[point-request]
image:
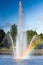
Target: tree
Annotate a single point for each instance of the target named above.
(2, 34)
(5, 43)
(41, 35)
(13, 32)
(30, 34)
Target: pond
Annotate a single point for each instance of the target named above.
(8, 60)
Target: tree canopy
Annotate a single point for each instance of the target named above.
(13, 31)
(30, 34)
(2, 34)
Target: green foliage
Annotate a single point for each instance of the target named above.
(39, 46)
(30, 34)
(13, 31)
(41, 36)
(2, 34)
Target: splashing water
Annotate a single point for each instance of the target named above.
(12, 44)
(21, 37)
(21, 42)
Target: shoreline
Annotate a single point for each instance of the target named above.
(37, 52)
(10, 52)
(6, 51)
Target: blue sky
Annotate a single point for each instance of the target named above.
(32, 14)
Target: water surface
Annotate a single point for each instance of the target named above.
(35, 60)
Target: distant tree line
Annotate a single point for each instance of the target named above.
(4, 39)
(13, 32)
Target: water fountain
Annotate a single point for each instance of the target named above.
(21, 36)
(21, 43)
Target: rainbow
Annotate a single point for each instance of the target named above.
(29, 49)
(26, 52)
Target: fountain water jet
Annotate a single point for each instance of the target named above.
(12, 44)
(21, 37)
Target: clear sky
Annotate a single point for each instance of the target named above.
(32, 14)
